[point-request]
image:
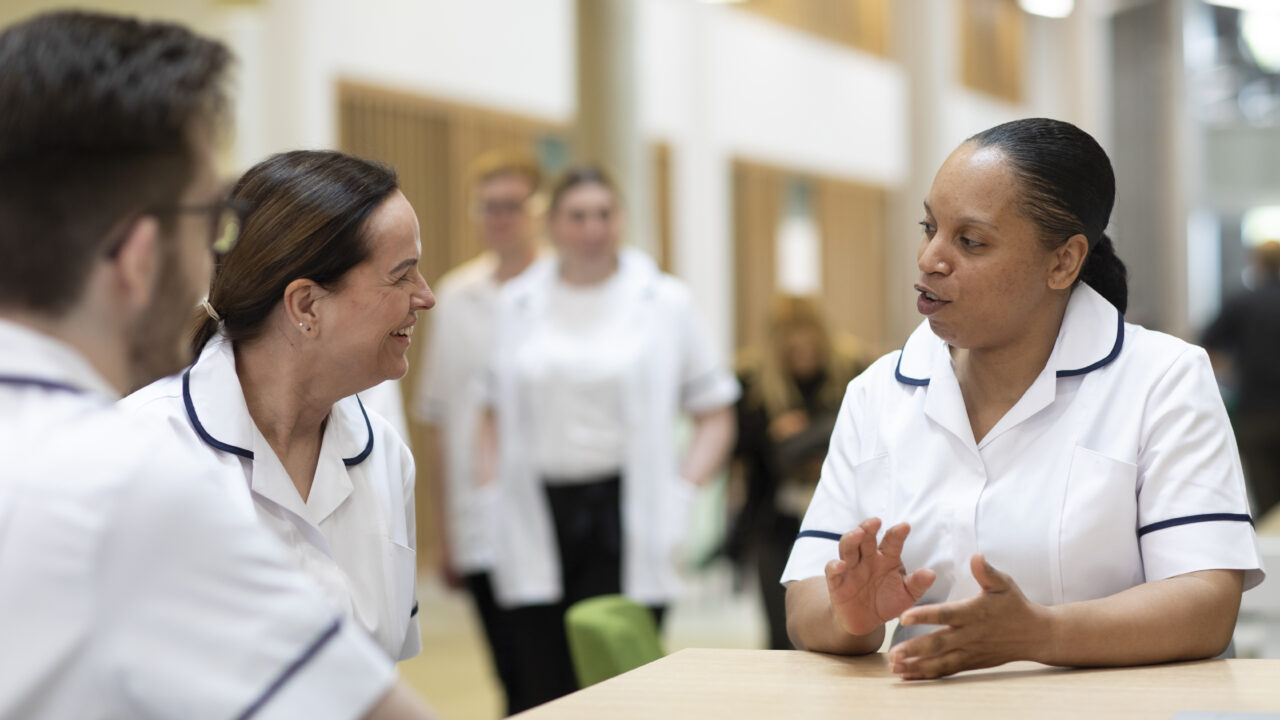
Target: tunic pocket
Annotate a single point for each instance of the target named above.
(1098, 553)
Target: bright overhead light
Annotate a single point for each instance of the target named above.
(1048, 8)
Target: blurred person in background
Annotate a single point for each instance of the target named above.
(131, 585)
(314, 303)
(1244, 342)
(503, 185)
(791, 392)
(596, 355)
(1026, 426)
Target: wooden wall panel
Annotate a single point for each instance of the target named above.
(851, 220)
(859, 24)
(757, 209)
(991, 47)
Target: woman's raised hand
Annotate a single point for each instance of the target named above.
(868, 584)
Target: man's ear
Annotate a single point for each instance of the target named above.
(1068, 262)
(137, 262)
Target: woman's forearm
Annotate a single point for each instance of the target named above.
(713, 436)
(1186, 617)
(811, 625)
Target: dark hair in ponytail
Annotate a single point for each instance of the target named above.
(1068, 188)
(308, 210)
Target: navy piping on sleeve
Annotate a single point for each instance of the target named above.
(290, 671)
(1189, 519)
(822, 534)
(40, 383)
(195, 422)
(368, 446)
(1115, 352)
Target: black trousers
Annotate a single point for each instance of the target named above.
(498, 632)
(588, 526)
(772, 551)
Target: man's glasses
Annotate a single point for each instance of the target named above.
(226, 218)
(499, 208)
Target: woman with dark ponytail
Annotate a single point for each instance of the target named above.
(315, 302)
(1026, 426)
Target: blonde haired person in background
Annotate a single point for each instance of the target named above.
(503, 186)
(791, 390)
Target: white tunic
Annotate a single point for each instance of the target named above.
(1116, 467)
(675, 369)
(449, 398)
(355, 534)
(130, 586)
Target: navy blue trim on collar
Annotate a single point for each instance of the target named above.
(1115, 352)
(40, 383)
(330, 633)
(368, 447)
(195, 422)
(820, 534)
(1208, 517)
(897, 373)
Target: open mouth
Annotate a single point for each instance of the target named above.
(406, 332)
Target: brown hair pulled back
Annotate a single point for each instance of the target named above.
(308, 210)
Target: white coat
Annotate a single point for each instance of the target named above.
(130, 586)
(355, 534)
(1116, 467)
(676, 370)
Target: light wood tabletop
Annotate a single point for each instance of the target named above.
(746, 684)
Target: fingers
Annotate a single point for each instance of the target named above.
(894, 538)
(953, 613)
(920, 581)
(935, 666)
(835, 574)
(990, 579)
(859, 542)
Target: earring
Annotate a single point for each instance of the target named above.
(308, 328)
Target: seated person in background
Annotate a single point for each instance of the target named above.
(1058, 485)
(131, 585)
(315, 302)
(791, 391)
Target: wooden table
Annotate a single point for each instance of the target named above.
(746, 684)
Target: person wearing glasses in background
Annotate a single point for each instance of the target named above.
(316, 302)
(131, 585)
(503, 186)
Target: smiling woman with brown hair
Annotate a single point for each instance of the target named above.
(1025, 426)
(316, 301)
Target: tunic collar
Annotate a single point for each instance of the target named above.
(28, 357)
(216, 408)
(1091, 337)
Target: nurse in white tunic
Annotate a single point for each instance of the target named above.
(316, 302)
(1058, 485)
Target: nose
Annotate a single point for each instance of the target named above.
(931, 259)
(423, 298)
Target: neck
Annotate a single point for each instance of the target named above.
(279, 391)
(513, 261)
(588, 273)
(992, 380)
(100, 342)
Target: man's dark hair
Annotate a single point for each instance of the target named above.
(98, 116)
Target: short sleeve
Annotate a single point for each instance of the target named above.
(706, 384)
(835, 508)
(207, 618)
(1193, 512)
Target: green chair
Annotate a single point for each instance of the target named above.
(609, 635)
